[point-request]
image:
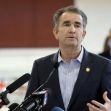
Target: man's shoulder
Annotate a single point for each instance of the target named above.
(45, 58)
(99, 58)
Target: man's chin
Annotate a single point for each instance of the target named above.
(72, 45)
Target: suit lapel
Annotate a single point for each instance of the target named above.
(54, 84)
(57, 90)
(85, 70)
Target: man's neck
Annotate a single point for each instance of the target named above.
(68, 54)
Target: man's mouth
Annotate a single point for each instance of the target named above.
(71, 37)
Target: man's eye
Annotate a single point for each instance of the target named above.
(77, 26)
(67, 24)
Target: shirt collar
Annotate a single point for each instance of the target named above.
(79, 58)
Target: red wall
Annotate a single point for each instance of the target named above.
(28, 23)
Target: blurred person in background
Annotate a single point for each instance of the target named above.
(82, 81)
(107, 47)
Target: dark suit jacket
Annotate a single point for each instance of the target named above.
(106, 54)
(90, 84)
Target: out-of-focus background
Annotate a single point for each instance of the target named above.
(26, 34)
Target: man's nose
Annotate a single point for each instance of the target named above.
(72, 29)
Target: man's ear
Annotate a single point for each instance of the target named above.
(84, 33)
(55, 32)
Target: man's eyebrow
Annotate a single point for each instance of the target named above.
(65, 22)
(79, 23)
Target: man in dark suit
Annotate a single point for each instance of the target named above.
(81, 79)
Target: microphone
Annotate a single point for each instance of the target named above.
(37, 99)
(19, 82)
(57, 109)
(13, 106)
(12, 87)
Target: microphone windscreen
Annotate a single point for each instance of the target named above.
(19, 82)
(57, 109)
(13, 106)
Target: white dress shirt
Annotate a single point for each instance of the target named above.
(68, 73)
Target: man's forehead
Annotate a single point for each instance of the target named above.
(71, 17)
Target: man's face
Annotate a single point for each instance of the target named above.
(70, 31)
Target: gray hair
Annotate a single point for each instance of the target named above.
(72, 9)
